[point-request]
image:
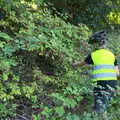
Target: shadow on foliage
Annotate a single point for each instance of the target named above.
(92, 13)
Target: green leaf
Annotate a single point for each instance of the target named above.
(72, 117)
(60, 111)
(69, 103)
(5, 36)
(2, 106)
(5, 76)
(8, 50)
(2, 44)
(5, 65)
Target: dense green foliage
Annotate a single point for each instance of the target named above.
(37, 49)
(94, 13)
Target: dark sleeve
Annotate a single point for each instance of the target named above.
(115, 63)
(88, 59)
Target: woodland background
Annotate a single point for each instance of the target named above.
(39, 39)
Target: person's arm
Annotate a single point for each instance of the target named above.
(78, 63)
(88, 60)
(117, 70)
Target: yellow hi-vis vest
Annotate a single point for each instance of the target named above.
(103, 68)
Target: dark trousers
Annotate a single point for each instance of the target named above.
(103, 93)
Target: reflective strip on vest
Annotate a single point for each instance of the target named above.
(106, 74)
(103, 75)
(103, 67)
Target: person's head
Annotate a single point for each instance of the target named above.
(99, 39)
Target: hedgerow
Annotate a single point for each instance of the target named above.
(36, 77)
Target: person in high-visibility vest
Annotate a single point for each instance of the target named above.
(105, 72)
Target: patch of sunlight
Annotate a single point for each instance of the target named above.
(114, 17)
